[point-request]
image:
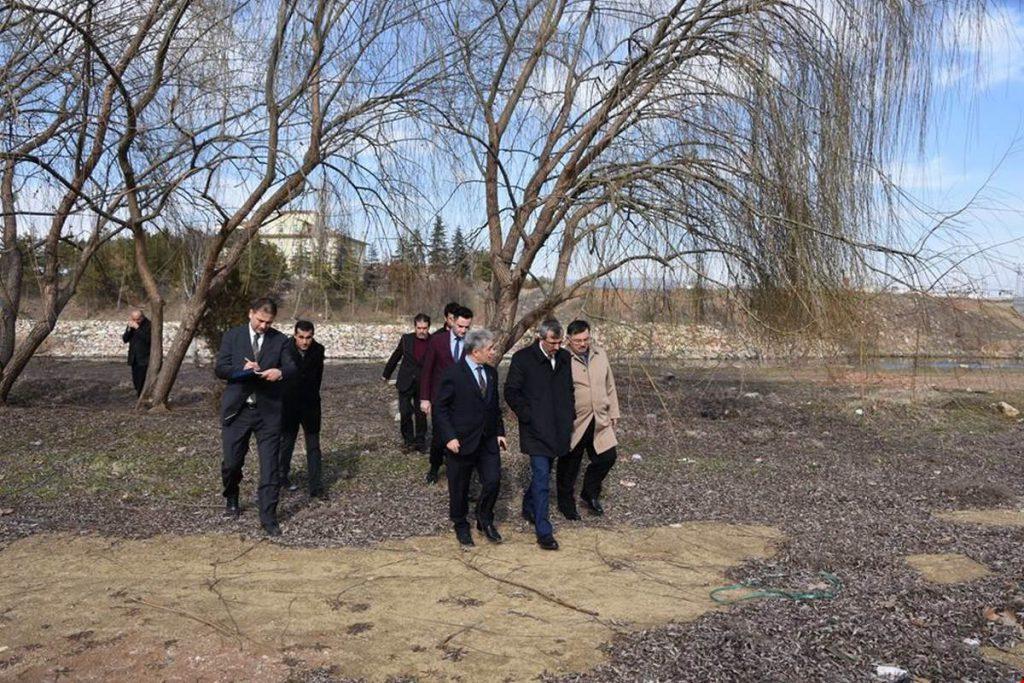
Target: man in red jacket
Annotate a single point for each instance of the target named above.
(444, 350)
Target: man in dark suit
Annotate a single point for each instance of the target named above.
(411, 350)
(253, 361)
(137, 337)
(539, 389)
(444, 350)
(301, 407)
(468, 419)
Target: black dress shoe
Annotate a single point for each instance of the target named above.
(272, 529)
(489, 531)
(573, 515)
(432, 476)
(593, 503)
(318, 493)
(231, 508)
(465, 538)
(547, 542)
(528, 516)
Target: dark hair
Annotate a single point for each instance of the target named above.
(463, 312)
(577, 326)
(304, 325)
(421, 318)
(265, 304)
(451, 308)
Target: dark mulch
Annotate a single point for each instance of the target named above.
(852, 493)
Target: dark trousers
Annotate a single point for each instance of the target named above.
(289, 433)
(414, 420)
(535, 498)
(486, 460)
(139, 377)
(568, 469)
(235, 438)
(437, 450)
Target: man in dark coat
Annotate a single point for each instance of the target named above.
(252, 360)
(468, 419)
(137, 337)
(411, 351)
(301, 407)
(444, 350)
(539, 390)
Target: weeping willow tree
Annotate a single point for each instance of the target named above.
(598, 135)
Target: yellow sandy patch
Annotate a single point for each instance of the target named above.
(985, 517)
(947, 568)
(215, 607)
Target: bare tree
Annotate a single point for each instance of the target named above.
(320, 95)
(67, 70)
(604, 133)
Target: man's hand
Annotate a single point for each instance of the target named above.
(502, 443)
(251, 365)
(132, 324)
(271, 375)
(453, 445)
(384, 378)
(425, 407)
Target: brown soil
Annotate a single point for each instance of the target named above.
(996, 518)
(209, 607)
(947, 568)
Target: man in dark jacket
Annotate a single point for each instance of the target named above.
(301, 407)
(253, 361)
(444, 350)
(468, 419)
(411, 351)
(539, 390)
(137, 337)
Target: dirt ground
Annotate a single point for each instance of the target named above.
(419, 607)
(117, 565)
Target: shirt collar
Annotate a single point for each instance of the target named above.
(473, 365)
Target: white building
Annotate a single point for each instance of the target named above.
(301, 235)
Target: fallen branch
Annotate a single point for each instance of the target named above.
(546, 596)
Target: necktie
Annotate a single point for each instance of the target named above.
(458, 349)
(256, 346)
(481, 380)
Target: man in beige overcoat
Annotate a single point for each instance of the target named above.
(597, 412)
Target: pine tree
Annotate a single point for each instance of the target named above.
(373, 256)
(438, 247)
(460, 254)
(405, 250)
(419, 248)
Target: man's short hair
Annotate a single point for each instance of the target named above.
(304, 325)
(547, 326)
(451, 308)
(463, 312)
(421, 318)
(478, 338)
(265, 304)
(576, 327)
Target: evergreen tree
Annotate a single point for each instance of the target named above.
(373, 256)
(419, 248)
(460, 254)
(405, 250)
(438, 248)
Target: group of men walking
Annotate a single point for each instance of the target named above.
(564, 400)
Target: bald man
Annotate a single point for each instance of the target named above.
(136, 336)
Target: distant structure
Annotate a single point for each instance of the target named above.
(303, 236)
(1018, 293)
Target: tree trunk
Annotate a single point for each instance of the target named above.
(163, 381)
(156, 319)
(11, 268)
(23, 354)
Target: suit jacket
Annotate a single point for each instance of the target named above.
(542, 399)
(437, 360)
(409, 371)
(138, 342)
(596, 399)
(235, 348)
(301, 393)
(462, 412)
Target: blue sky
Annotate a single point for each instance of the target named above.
(973, 156)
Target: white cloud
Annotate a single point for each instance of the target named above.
(993, 50)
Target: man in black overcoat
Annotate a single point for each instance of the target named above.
(301, 407)
(408, 357)
(539, 389)
(137, 336)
